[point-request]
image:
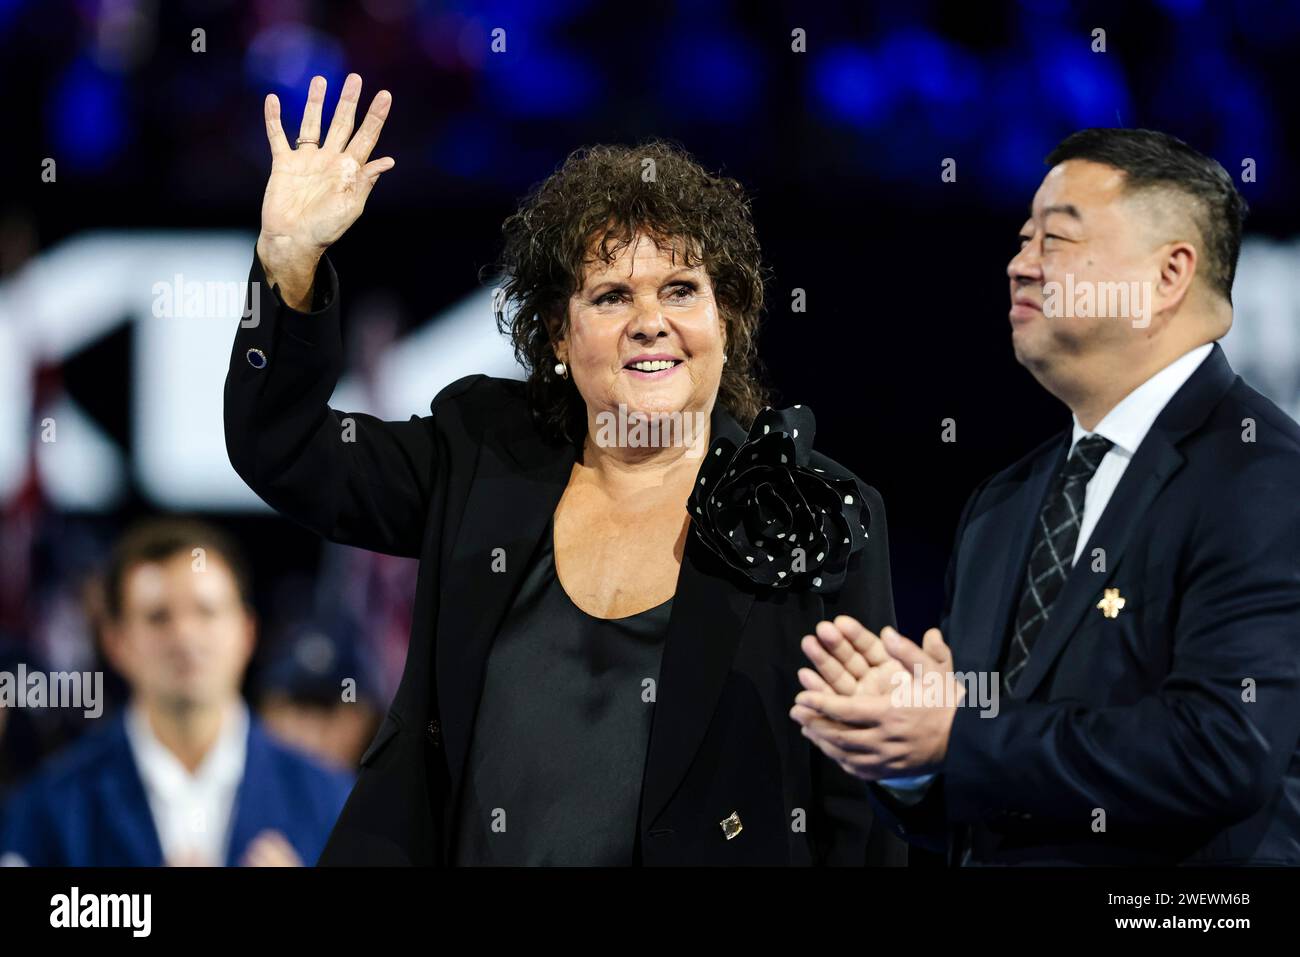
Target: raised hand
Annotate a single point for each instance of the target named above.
(317, 190)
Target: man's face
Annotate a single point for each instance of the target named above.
(1085, 240)
(645, 302)
(184, 637)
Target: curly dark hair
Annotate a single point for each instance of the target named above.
(600, 199)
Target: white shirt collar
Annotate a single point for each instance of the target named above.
(1128, 423)
(164, 774)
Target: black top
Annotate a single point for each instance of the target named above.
(558, 752)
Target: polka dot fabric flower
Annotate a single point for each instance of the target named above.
(772, 516)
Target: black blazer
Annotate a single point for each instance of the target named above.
(1175, 724)
(473, 476)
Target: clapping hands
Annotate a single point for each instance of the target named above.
(863, 705)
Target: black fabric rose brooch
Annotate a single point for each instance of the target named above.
(765, 511)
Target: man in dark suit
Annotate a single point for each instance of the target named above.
(1131, 587)
(187, 775)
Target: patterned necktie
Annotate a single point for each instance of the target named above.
(1050, 562)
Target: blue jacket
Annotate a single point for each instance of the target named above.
(87, 807)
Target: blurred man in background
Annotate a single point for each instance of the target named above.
(317, 693)
(185, 775)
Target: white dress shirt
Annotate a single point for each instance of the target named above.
(1126, 426)
(191, 812)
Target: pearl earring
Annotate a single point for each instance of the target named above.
(561, 370)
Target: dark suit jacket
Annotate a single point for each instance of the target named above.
(88, 808)
(1175, 724)
(473, 476)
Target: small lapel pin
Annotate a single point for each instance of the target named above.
(1111, 603)
(731, 825)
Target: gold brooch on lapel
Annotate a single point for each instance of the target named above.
(731, 825)
(1111, 603)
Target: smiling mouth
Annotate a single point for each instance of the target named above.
(654, 366)
(654, 369)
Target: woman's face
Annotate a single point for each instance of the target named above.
(644, 303)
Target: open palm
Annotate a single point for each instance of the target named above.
(318, 190)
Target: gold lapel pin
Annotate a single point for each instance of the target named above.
(1111, 603)
(731, 825)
